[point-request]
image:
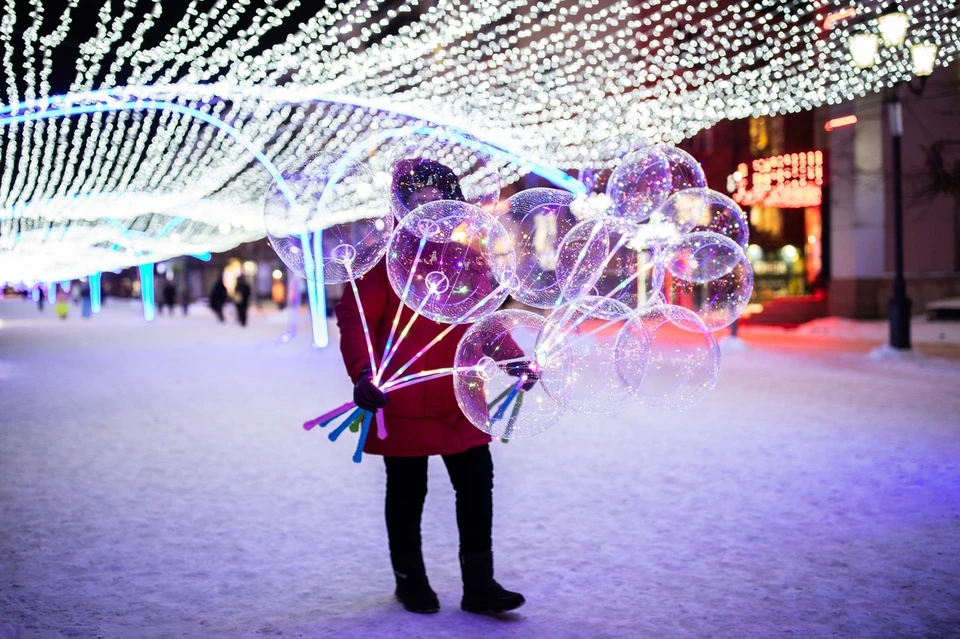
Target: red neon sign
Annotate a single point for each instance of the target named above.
(836, 123)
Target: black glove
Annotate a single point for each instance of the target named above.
(366, 395)
(519, 369)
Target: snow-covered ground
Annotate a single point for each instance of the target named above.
(155, 482)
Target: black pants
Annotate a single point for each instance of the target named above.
(242, 314)
(471, 473)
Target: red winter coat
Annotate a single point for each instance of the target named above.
(423, 419)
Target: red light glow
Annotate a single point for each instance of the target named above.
(836, 123)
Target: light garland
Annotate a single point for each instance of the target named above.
(551, 84)
(789, 181)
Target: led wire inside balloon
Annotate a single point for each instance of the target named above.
(397, 384)
(388, 349)
(389, 387)
(363, 318)
(572, 309)
(406, 330)
(626, 282)
(437, 372)
(416, 378)
(583, 253)
(444, 333)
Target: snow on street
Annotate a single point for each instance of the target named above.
(155, 482)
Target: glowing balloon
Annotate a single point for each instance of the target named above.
(609, 258)
(701, 257)
(684, 359)
(685, 171)
(710, 275)
(496, 379)
(581, 257)
(647, 177)
(640, 184)
(592, 355)
(538, 220)
(326, 216)
(442, 163)
(451, 262)
(601, 158)
(700, 209)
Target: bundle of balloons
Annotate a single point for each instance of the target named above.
(617, 292)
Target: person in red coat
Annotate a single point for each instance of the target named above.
(423, 420)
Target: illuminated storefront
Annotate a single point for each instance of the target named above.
(782, 196)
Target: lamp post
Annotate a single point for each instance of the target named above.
(893, 24)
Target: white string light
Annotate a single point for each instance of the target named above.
(560, 81)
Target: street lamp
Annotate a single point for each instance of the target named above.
(893, 24)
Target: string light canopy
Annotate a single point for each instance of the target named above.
(140, 133)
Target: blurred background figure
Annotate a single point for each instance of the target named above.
(63, 303)
(185, 299)
(86, 304)
(169, 295)
(38, 295)
(242, 299)
(218, 297)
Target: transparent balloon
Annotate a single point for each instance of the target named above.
(640, 184)
(325, 216)
(442, 163)
(609, 258)
(451, 262)
(700, 209)
(581, 257)
(685, 171)
(496, 378)
(600, 159)
(538, 220)
(701, 257)
(592, 355)
(683, 362)
(710, 275)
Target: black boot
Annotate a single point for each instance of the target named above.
(413, 588)
(481, 593)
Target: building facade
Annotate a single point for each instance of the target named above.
(817, 188)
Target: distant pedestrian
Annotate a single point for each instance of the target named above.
(39, 293)
(86, 304)
(169, 296)
(185, 299)
(242, 299)
(63, 304)
(218, 297)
